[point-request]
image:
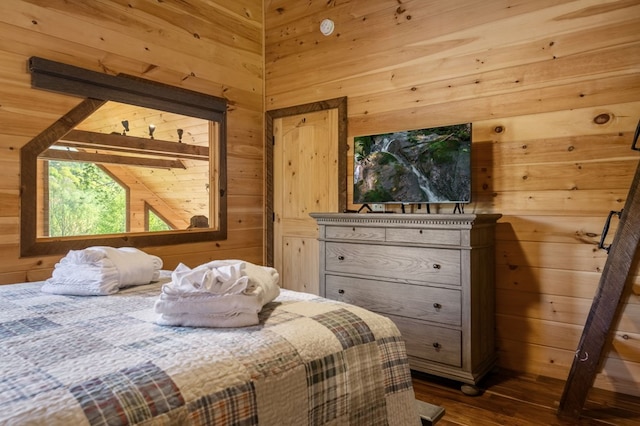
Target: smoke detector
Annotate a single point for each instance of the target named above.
(326, 27)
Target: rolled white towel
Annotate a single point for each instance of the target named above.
(135, 267)
(97, 271)
(264, 281)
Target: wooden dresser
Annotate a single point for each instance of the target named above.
(432, 274)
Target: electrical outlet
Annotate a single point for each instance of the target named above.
(377, 207)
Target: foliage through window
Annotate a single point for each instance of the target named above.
(84, 200)
(156, 223)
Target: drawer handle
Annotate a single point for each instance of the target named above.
(437, 305)
(436, 266)
(437, 345)
(340, 258)
(340, 291)
(421, 231)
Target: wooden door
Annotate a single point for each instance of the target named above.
(305, 180)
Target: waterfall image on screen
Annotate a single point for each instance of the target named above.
(431, 165)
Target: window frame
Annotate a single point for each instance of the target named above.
(98, 88)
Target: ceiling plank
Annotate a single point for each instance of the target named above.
(89, 157)
(117, 142)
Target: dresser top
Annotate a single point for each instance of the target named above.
(387, 219)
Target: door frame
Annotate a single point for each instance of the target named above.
(269, 141)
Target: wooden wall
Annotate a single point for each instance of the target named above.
(553, 90)
(535, 78)
(211, 46)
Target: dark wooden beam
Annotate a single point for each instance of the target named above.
(133, 144)
(63, 78)
(605, 306)
(92, 157)
(62, 126)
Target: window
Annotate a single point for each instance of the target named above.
(165, 146)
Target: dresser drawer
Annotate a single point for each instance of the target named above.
(354, 233)
(430, 342)
(449, 237)
(413, 264)
(415, 301)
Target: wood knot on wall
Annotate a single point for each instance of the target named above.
(603, 118)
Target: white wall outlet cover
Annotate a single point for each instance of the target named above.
(327, 26)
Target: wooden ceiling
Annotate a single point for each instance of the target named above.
(166, 169)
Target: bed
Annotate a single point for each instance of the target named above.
(101, 360)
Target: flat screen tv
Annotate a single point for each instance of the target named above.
(431, 165)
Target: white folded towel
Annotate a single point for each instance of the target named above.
(222, 293)
(99, 271)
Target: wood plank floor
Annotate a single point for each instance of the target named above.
(514, 399)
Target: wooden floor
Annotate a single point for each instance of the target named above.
(517, 400)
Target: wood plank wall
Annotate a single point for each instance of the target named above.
(553, 90)
(211, 46)
(531, 76)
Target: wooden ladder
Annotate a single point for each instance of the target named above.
(606, 302)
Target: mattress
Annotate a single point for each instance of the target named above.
(101, 360)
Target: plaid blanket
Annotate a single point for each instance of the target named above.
(70, 360)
